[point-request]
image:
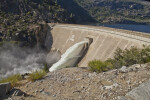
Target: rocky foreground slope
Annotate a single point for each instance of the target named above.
(80, 84)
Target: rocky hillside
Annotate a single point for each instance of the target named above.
(80, 84)
(117, 11)
(17, 16)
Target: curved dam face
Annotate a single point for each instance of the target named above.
(105, 40)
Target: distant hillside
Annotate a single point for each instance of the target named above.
(117, 11)
(17, 15)
(47, 10)
(79, 14)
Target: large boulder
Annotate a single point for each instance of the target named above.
(4, 88)
(141, 92)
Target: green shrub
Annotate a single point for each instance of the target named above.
(37, 75)
(130, 56)
(121, 58)
(99, 66)
(46, 69)
(145, 54)
(14, 79)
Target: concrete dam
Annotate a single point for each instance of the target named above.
(105, 40)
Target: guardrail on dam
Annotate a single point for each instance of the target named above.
(105, 40)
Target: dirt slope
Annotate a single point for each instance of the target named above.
(79, 84)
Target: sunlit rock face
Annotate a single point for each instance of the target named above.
(72, 55)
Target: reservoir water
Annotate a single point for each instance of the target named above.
(139, 28)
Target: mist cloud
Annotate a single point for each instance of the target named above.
(14, 60)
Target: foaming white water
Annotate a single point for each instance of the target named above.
(69, 58)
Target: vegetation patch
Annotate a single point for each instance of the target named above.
(121, 58)
(99, 66)
(37, 75)
(14, 79)
(130, 56)
(46, 69)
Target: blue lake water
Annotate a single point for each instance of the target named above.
(139, 28)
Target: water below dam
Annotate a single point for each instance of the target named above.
(139, 28)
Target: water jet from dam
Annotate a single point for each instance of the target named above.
(71, 57)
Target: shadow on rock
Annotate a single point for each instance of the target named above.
(15, 92)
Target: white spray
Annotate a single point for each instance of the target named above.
(16, 60)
